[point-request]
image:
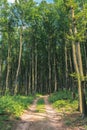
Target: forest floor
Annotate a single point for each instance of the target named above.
(47, 120)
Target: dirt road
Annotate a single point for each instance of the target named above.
(50, 120)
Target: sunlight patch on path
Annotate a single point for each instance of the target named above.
(32, 115)
(31, 118)
(54, 118)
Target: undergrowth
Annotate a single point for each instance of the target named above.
(60, 95)
(11, 107)
(14, 105)
(63, 101)
(40, 107)
(66, 105)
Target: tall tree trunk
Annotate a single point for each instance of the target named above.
(0, 74)
(19, 63)
(55, 74)
(72, 86)
(33, 71)
(30, 79)
(85, 55)
(49, 66)
(35, 67)
(8, 70)
(26, 81)
(40, 81)
(66, 70)
(78, 67)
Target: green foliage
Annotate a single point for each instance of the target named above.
(60, 95)
(38, 95)
(63, 101)
(75, 75)
(6, 125)
(40, 105)
(66, 105)
(86, 127)
(68, 122)
(14, 105)
(40, 101)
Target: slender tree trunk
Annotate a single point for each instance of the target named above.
(30, 79)
(49, 65)
(19, 63)
(29, 84)
(55, 74)
(85, 55)
(8, 71)
(33, 72)
(41, 80)
(74, 58)
(0, 69)
(78, 68)
(81, 94)
(0, 74)
(35, 67)
(72, 86)
(66, 70)
(81, 80)
(26, 81)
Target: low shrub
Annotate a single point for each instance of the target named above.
(14, 105)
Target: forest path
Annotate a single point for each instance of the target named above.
(49, 120)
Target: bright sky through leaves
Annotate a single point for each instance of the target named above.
(12, 1)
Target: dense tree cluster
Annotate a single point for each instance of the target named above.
(43, 47)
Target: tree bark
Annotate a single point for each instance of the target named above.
(49, 66)
(8, 70)
(19, 63)
(66, 68)
(78, 67)
(33, 71)
(35, 67)
(30, 79)
(55, 74)
(0, 69)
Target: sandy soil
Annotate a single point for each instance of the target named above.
(50, 120)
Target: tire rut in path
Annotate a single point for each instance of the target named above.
(54, 118)
(25, 118)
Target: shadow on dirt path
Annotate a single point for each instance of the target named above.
(50, 120)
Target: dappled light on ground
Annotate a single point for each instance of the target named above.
(48, 120)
